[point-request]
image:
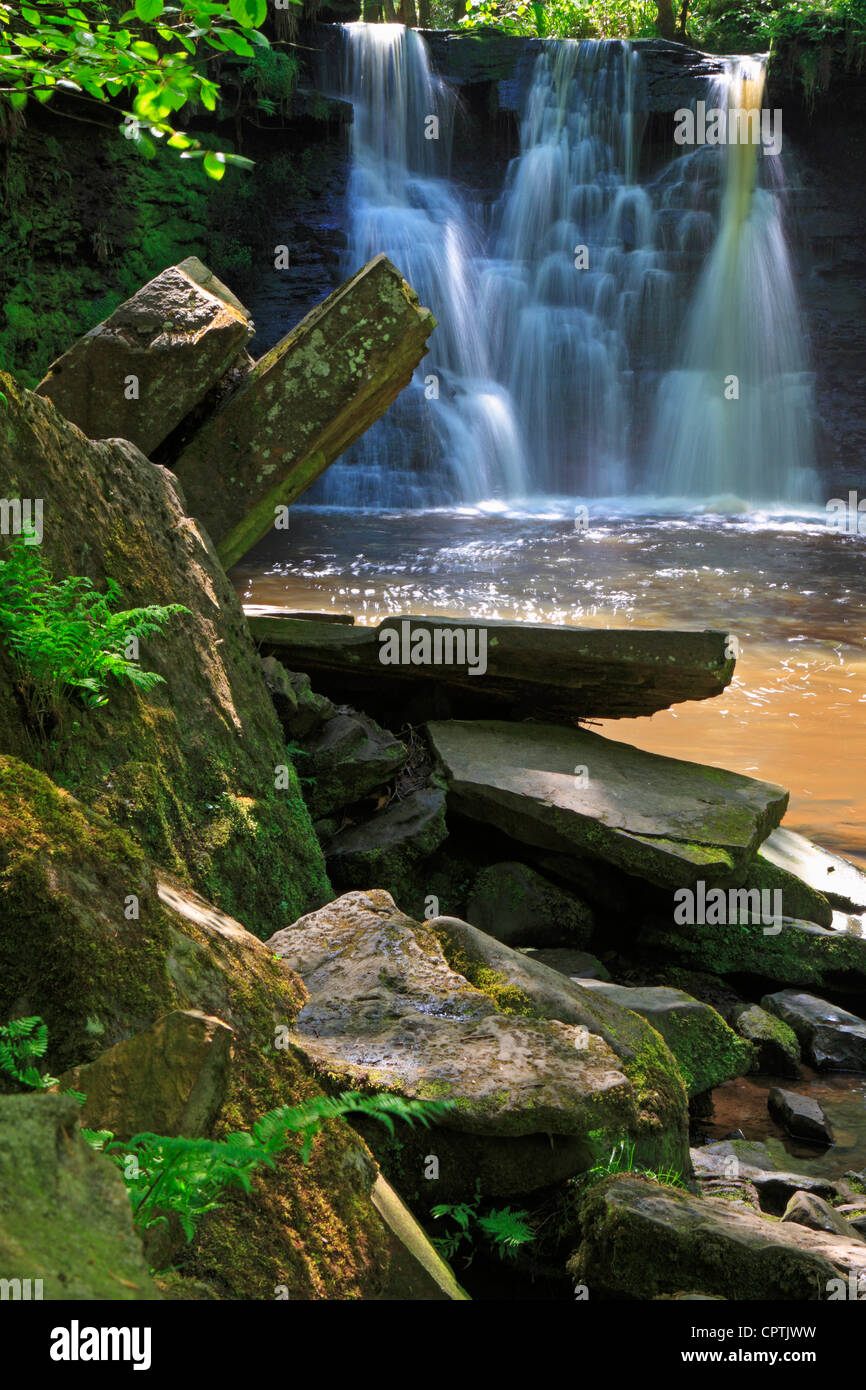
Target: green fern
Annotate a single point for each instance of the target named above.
(66, 638)
(187, 1177)
(23, 1043)
(506, 1228)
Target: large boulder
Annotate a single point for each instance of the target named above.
(190, 767)
(69, 953)
(65, 1217)
(303, 404)
(521, 907)
(641, 1239)
(138, 374)
(572, 791)
(708, 1052)
(537, 1099)
(832, 1038)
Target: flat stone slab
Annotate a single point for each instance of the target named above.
(386, 1011)
(792, 953)
(642, 1239)
(832, 1038)
(531, 670)
(569, 790)
(838, 880)
(140, 372)
(301, 405)
(708, 1052)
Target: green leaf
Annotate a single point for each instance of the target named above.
(214, 164)
(250, 14)
(236, 42)
(148, 10)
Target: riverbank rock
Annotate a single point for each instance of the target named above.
(536, 1099)
(171, 1078)
(576, 792)
(69, 953)
(188, 767)
(800, 1115)
(832, 1039)
(65, 1217)
(303, 404)
(137, 375)
(641, 1239)
(808, 1210)
(347, 760)
(300, 711)
(388, 849)
(521, 907)
(708, 1052)
(777, 1051)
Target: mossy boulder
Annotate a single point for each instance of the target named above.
(65, 1218)
(708, 1052)
(189, 767)
(536, 1099)
(641, 1239)
(777, 1051)
(69, 952)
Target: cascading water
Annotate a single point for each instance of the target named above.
(735, 418)
(557, 367)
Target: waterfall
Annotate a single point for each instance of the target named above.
(591, 314)
(735, 417)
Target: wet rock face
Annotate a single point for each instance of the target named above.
(138, 374)
(641, 1239)
(188, 767)
(65, 1217)
(832, 1039)
(535, 1098)
(669, 822)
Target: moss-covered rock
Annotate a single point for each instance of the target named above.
(389, 850)
(69, 952)
(536, 1098)
(777, 1051)
(65, 1218)
(189, 767)
(641, 1239)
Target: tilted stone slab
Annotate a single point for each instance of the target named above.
(841, 882)
(531, 670)
(572, 791)
(535, 1098)
(789, 952)
(176, 336)
(302, 404)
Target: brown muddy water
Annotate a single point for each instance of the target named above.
(792, 591)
